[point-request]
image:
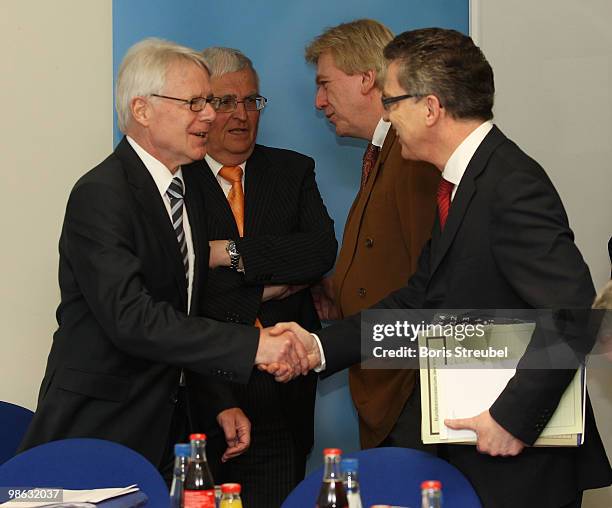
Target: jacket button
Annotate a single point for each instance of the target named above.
(362, 292)
(369, 243)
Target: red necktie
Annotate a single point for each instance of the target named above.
(445, 190)
(369, 159)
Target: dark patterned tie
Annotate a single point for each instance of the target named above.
(175, 193)
(445, 189)
(369, 159)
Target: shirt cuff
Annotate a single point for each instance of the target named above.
(322, 365)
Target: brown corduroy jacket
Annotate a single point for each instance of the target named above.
(388, 224)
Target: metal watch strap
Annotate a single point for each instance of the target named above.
(233, 254)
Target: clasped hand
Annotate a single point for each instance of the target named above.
(286, 350)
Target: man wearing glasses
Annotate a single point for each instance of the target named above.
(501, 241)
(130, 274)
(270, 237)
(388, 224)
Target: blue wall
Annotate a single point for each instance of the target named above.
(273, 34)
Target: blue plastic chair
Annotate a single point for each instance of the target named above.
(393, 476)
(85, 464)
(14, 421)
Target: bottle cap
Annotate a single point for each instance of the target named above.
(431, 484)
(182, 450)
(197, 437)
(332, 451)
(230, 488)
(349, 465)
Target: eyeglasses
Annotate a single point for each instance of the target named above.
(196, 104)
(229, 103)
(387, 101)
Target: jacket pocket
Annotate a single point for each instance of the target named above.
(97, 386)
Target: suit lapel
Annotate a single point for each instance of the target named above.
(258, 191)
(150, 201)
(219, 218)
(441, 242)
(354, 218)
(195, 209)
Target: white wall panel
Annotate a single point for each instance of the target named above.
(56, 104)
(552, 61)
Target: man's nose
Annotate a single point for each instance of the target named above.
(320, 98)
(208, 114)
(240, 112)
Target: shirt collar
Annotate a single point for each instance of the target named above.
(460, 158)
(215, 166)
(380, 133)
(159, 172)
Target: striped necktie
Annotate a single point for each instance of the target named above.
(175, 193)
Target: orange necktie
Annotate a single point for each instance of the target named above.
(233, 175)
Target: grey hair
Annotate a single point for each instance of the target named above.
(222, 61)
(143, 72)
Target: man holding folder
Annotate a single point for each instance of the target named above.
(501, 240)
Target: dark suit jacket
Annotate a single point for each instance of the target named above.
(123, 334)
(288, 239)
(506, 245)
(386, 229)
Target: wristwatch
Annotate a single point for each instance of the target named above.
(233, 254)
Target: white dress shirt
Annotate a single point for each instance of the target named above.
(457, 163)
(216, 166)
(163, 178)
(380, 133)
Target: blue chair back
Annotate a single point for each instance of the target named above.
(14, 421)
(393, 476)
(85, 464)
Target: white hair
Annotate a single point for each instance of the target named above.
(143, 72)
(222, 61)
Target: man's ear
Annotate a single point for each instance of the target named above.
(434, 110)
(141, 110)
(368, 81)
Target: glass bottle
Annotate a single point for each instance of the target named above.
(431, 494)
(199, 484)
(182, 452)
(332, 493)
(230, 496)
(350, 472)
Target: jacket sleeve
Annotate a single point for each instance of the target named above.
(534, 249)
(299, 257)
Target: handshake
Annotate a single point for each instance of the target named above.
(286, 350)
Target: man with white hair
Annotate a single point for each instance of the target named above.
(133, 257)
(270, 235)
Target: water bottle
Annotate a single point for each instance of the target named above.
(182, 452)
(350, 470)
(431, 494)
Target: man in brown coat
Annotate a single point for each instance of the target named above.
(388, 224)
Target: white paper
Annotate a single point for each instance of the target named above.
(463, 393)
(72, 496)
